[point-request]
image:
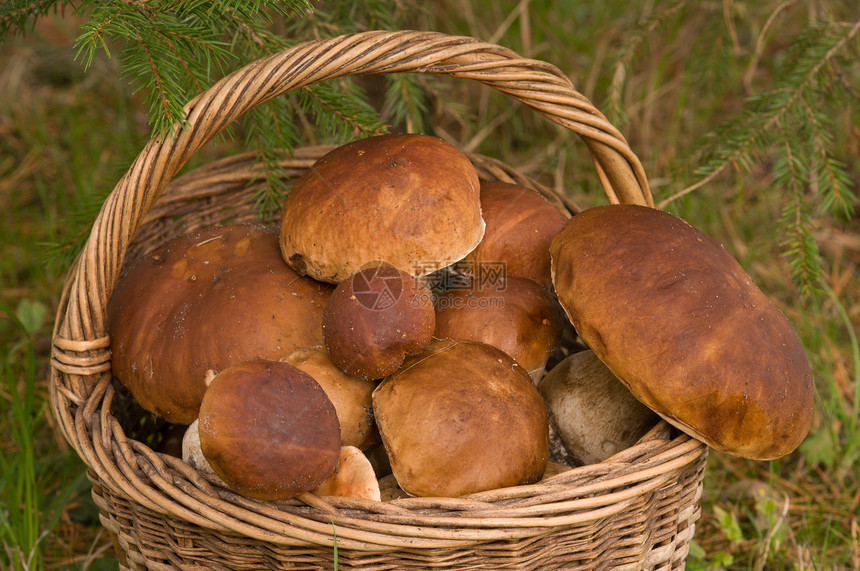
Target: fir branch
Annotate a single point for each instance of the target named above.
(174, 49)
(166, 106)
(17, 15)
(737, 142)
(405, 101)
(830, 180)
(798, 243)
(268, 134)
(791, 123)
(343, 112)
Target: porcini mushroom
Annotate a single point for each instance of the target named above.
(375, 319)
(462, 417)
(518, 316)
(410, 200)
(204, 301)
(350, 395)
(521, 224)
(594, 413)
(678, 320)
(269, 430)
(354, 477)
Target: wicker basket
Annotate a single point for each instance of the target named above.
(636, 510)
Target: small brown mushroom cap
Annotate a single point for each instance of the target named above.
(678, 320)
(204, 301)
(521, 224)
(409, 199)
(353, 477)
(269, 430)
(350, 395)
(375, 318)
(594, 413)
(520, 317)
(462, 417)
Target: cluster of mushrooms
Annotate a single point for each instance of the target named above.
(392, 336)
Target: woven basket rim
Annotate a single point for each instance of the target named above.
(81, 386)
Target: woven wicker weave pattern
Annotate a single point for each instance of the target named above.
(636, 510)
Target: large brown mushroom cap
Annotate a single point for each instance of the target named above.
(462, 417)
(269, 430)
(678, 320)
(521, 224)
(204, 301)
(520, 317)
(407, 199)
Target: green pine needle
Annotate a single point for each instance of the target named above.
(17, 16)
(406, 100)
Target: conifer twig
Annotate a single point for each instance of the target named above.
(14, 19)
(773, 116)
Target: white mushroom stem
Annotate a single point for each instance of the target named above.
(192, 454)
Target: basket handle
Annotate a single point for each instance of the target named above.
(80, 326)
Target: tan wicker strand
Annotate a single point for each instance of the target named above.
(637, 510)
(80, 370)
(679, 456)
(303, 529)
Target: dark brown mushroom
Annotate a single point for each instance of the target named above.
(375, 319)
(269, 430)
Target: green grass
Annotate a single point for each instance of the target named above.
(66, 136)
(41, 484)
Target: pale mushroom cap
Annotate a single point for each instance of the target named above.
(353, 477)
(192, 454)
(407, 199)
(350, 395)
(678, 320)
(593, 412)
